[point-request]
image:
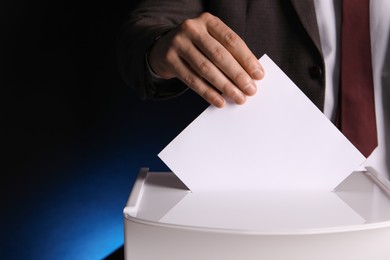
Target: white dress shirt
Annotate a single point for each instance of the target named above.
(329, 21)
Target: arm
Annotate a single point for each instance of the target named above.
(207, 56)
(150, 20)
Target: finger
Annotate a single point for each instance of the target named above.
(235, 45)
(206, 69)
(198, 84)
(227, 64)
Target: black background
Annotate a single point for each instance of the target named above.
(70, 129)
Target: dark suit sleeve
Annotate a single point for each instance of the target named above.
(149, 20)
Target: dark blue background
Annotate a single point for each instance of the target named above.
(73, 136)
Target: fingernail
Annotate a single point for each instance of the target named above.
(219, 102)
(258, 73)
(239, 97)
(250, 89)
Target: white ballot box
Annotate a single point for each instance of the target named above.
(270, 180)
(164, 220)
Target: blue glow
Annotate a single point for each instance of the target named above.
(79, 216)
(70, 203)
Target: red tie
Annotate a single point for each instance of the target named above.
(357, 111)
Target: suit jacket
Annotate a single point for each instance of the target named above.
(286, 30)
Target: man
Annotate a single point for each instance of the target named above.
(212, 48)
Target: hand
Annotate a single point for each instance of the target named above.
(209, 58)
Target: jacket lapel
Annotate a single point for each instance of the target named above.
(307, 15)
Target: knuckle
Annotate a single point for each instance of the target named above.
(217, 55)
(188, 26)
(241, 78)
(176, 41)
(207, 16)
(230, 39)
(225, 88)
(211, 20)
(212, 98)
(209, 95)
(204, 67)
(231, 92)
(205, 93)
(250, 62)
(189, 80)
